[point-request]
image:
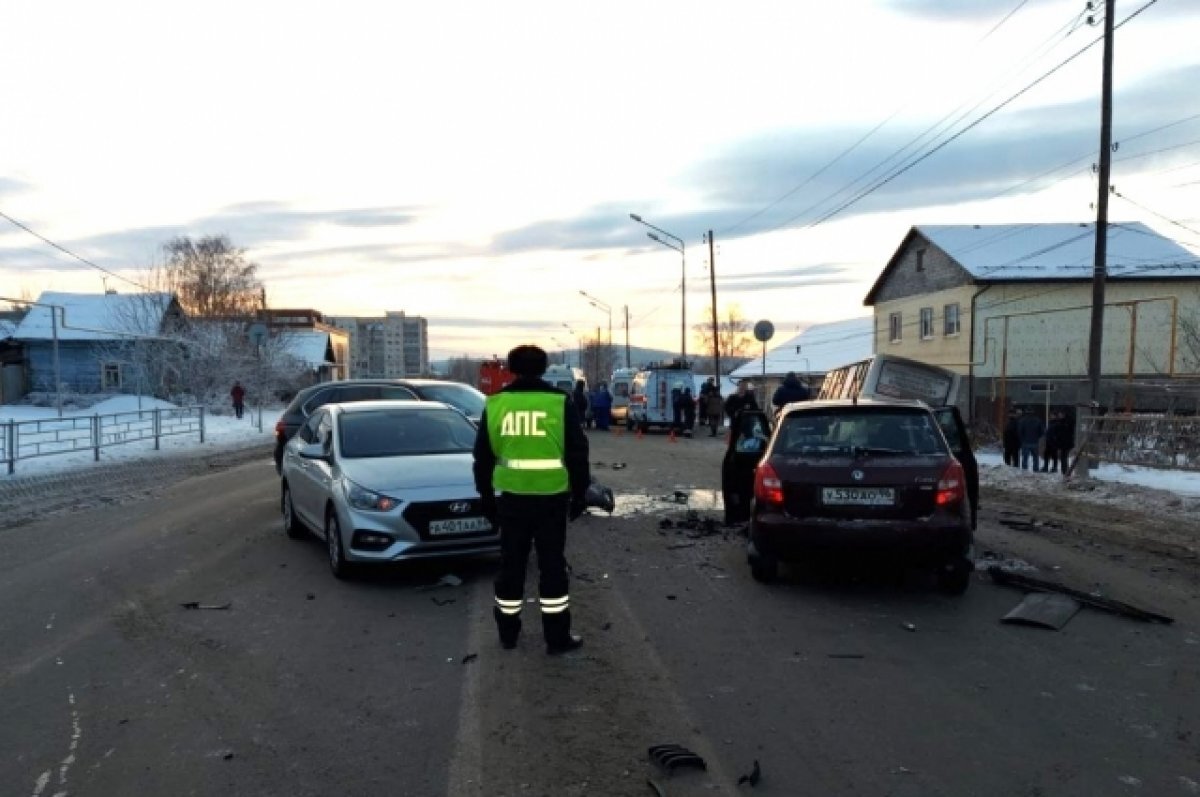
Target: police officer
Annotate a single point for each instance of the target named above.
(531, 448)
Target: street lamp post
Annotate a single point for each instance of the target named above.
(599, 305)
(681, 249)
(578, 344)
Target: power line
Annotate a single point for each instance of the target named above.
(929, 153)
(69, 253)
(829, 164)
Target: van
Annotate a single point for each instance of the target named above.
(564, 377)
(650, 399)
(619, 386)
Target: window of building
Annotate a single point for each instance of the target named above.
(110, 374)
(920, 260)
(895, 328)
(926, 323)
(952, 325)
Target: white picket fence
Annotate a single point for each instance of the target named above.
(23, 440)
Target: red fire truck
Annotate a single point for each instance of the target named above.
(494, 375)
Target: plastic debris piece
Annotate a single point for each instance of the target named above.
(1043, 610)
(218, 607)
(673, 756)
(1001, 576)
(909, 626)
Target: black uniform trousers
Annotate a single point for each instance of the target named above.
(540, 522)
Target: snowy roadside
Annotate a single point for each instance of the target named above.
(50, 485)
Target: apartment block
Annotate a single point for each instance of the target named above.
(392, 346)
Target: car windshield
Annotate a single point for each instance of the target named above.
(462, 397)
(395, 432)
(859, 431)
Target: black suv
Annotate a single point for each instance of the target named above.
(464, 398)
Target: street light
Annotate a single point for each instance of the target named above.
(599, 305)
(561, 347)
(578, 344)
(683, 282)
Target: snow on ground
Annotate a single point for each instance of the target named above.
(221, 432)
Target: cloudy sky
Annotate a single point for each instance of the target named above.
(476, 163)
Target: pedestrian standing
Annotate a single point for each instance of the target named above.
(688, 403)
(238, 394)
(714, 406)
(677, 406)
(1053, 443)
(602, 407)
(1066, 440)
(741, 400)
(531, 448)
(791, 390)
(1030, 429)
(580, 399)
(1012, 441)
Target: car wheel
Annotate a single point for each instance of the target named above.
(765, 569)
(955, 576)
(333, 541)
(291, 524)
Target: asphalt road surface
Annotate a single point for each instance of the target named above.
(835, 683)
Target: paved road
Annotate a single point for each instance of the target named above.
(110, 687)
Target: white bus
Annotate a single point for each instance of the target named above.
(888, 376)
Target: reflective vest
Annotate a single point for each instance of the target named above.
(527, 433)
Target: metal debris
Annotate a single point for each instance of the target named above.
(1043, 610)
(1002, 576)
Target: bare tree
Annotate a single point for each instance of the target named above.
(211, 277)
(464, 369)
(734, 332)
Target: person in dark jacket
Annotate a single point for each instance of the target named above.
(741, 400)
(1030, 429)
(791, 390)
(531, 448)
(688, 403)
(1066, 439)
(580, 399)
(747, 442)
(677, 406)
(1012, 441)
(1053, 446)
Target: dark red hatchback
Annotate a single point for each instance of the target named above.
(866, 479)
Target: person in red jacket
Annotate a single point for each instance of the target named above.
(238, 394)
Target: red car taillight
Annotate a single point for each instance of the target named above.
(951, 486)
(279, 429)
(768, 489)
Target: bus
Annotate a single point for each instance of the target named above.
(887, 376)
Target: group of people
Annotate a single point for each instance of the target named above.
(1026, 432)
(594, 408)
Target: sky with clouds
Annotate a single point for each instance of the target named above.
(476, 163)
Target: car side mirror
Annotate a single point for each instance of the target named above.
(314, 451)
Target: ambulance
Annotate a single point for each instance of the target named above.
(651, 394)
(619, 386)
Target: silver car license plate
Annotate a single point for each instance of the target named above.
(459, 525)
(858, 496)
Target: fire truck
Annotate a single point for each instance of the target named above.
(494, 375)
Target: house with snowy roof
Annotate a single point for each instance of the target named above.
(84, 340)
(810, 355)
(1009, 307)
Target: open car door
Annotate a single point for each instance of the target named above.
(955, 431)
(748, 438)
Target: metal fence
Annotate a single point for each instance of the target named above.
(51, 436)
(1152, 441)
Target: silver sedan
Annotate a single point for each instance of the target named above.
(385, 481)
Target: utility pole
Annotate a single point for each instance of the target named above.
(1099, 270)
(626, 308)
(712, 284)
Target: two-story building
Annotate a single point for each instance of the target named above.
(1009, 307)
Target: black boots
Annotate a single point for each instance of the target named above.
(565, 645)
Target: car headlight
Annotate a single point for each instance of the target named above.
(362, 498)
